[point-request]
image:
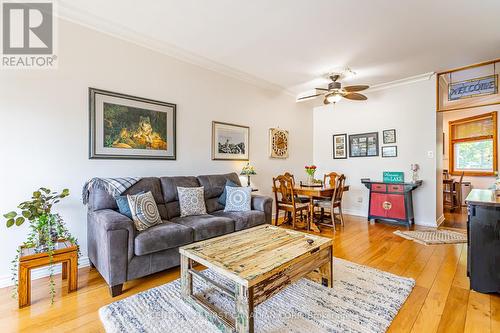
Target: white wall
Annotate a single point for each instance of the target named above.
(476, 182)
(44, 123)
(410, 109)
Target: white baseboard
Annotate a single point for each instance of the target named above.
(37, 273)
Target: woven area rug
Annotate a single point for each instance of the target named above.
(362, 300)
(432, 237)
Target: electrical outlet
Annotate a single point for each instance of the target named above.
(360, 199)
(430, 154)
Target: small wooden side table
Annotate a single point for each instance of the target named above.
(65, 253)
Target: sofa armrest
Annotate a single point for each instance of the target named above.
(264, 204)
(110, 241)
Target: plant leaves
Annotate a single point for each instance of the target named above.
(10, 215)
(37, 194)
(10, 223)
(27, 214)
(20, 220)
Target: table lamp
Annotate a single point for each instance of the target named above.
(247, 171)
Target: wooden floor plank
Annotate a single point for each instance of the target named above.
(478, 313)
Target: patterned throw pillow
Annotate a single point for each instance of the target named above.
(238, 199)
(144, 210)
(222, 198)
(191, 201)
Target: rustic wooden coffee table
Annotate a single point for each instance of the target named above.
(260, 261)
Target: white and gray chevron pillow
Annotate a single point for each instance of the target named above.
(192, 201)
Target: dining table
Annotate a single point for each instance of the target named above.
(315, 191)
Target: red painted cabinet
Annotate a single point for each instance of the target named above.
(391, 202)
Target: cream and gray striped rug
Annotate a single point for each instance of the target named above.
(362, 299)
(434, 236)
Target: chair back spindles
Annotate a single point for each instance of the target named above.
(283, 190)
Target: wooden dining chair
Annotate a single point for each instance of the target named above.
(452, 193)
(300, 198)
(334, 203)
(286, 200)
(330, 178)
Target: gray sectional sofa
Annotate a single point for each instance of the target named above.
(121, 253)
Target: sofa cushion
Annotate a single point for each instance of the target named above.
(214, 184)
(244, 220)
(169, 186)
(162, 237)
(206, 226)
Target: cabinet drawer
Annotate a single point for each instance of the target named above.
(379, 187)
(396, 188)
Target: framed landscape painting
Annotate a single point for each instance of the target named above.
(230, 141)
(129, 127)
(340, 146)
(363, 145)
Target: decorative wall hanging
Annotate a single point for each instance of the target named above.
(389, 151)
(363, 145)
(129, 127)
(230, 141)
(389, 136)
(487, 85)
(339, 146)
(278, 143)
(468, 87)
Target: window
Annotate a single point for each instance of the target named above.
(473, 145)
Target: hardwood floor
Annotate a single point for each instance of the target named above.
(440, 302)
(457, 219)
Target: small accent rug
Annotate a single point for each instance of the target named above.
(362, 299)
(432, 237)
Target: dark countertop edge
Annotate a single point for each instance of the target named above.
(369, 181)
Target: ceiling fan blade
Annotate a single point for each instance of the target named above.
(356, 88)
(355, 96)
(307, 97)
(321, 89)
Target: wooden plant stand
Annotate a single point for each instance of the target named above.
(65, 253)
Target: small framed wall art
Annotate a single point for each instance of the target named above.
(230, 141)
(363, 145)
(129, 127)
(278, 143)
(339, 146)
(389, 151)
(389, 136)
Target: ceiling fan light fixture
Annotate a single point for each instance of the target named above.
(333, 98)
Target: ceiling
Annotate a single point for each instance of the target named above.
(291, 43)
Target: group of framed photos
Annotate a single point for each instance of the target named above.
(364, 145)
(130, 127)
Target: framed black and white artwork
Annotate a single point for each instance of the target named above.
(363, 145)
(389, 136)
(230, 141)
(389, 151)
(339, 146)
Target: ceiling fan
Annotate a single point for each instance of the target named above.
(335, 92)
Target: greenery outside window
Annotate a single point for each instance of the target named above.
(473, 145)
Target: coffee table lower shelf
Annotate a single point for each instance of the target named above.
(317, 266)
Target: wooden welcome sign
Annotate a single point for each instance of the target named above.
(487, 85)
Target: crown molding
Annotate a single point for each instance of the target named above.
(401, 82)
(88, 20)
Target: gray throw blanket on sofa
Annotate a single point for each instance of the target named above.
(114, 186)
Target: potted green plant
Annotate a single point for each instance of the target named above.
(45, 228)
